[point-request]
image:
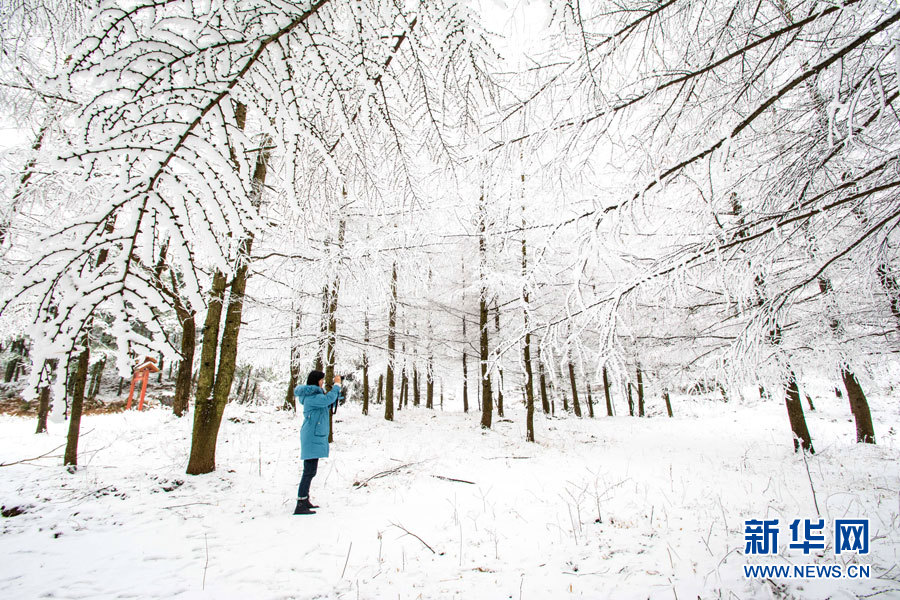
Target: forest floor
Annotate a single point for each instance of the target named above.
(598, 508)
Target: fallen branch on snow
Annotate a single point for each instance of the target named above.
(364, 483)
(456, 480)
(408, 532)
(44, 455)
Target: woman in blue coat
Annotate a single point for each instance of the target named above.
(314, 432)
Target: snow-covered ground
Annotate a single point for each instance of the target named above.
(605, 508)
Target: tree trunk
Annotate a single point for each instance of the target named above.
(575, 404)
(214, 386)
(96, 377)
(365, 365)
(487, 403)
(11, 367)
(499, 368)
(121, 383)
(609, 407)
(526, 351)
(43, 409)
(796, 417)
(392, 340)
(465, 372)
(380, 398)
(640, 391)
(81, 372)
(404, 388)
(630, 401)
(186, 365)
(203, 438)
(722, 391)
(668, 402)
(429, 384)
(290, 401)
(529, 387)
(892, 289)
(331, 339)
(160, 374)
(590, 402)
(416, 396)
(545, 402)
(246, 395)
(859, 406)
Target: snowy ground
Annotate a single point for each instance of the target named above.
(605, 508)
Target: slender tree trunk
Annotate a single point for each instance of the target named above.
(609, 407)
(186, 365)
(724, 392)
(404, 388)
(70, 458)
(668, 402)
(590, 402)
(545, 402)
(331, 338)
(392, 340)
(416, 396)
(246, 395)
(529, 381)
(290, 401)
(640, 391)
(365, 403)
(529, 386)
(465, 372)
(96, 377)
(429, 384)
(81, 372)
(43, 409)
(796, 417)
(27, 172)
(13, 364)
(630, 401)
(121, 383)
(859, 406)
(575, 404)
(526, 351)
(892, 288)
(499, 368)
(380, 397)
(487, 403)
(160, 374)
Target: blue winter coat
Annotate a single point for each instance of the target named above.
(315, 428)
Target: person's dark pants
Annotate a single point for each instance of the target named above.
(310, 466)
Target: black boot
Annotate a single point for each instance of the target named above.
(303, 507)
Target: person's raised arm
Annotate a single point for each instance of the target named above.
(335, 392)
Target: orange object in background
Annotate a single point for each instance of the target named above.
(142, 371)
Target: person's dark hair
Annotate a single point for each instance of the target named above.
(315, 377)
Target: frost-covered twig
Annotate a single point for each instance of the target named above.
(408, 532)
